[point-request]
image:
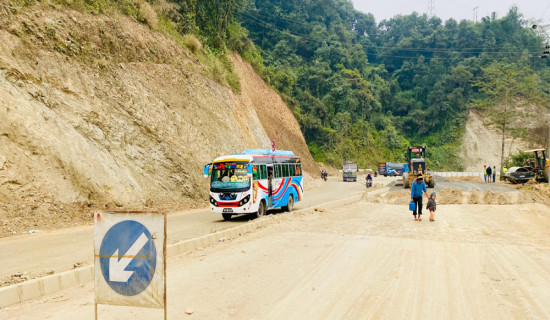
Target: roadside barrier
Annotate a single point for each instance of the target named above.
(40, 287)
(459, 174)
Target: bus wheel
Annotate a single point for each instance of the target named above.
(290, 205)
(261, 210)
(226, 216)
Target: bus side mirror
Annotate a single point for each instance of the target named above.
(249, 169)
(207, 170)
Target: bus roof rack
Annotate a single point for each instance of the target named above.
(266, 152)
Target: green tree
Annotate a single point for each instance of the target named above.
(505, 86)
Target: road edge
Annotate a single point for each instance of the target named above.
(41, 287)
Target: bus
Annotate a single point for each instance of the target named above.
(349, 171)
(254, 181)
(394, 169)
(382, 169)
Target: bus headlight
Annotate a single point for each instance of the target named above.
(213, 202)
(244, 201)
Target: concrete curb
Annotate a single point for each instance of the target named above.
(40, 287)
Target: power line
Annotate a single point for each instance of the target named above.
(287, 32)
(271, 26)
(544, 12)
(431, 8)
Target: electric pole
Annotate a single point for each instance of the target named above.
(431, 8)
(475, 13)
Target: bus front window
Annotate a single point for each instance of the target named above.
(229, 177)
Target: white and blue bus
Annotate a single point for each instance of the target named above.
(254, 181)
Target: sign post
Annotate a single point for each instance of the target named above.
(130, 259)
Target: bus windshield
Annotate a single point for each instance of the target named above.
(229, 176)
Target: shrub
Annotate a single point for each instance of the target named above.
(148, 15)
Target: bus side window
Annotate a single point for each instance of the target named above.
(263, 172)
(277, 171)
(292, 170)
(256, 172)
(285, 170)
(298, 170)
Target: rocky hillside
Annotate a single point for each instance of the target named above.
(482, 142)
(100, 111)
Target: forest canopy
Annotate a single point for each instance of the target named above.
(363, 90)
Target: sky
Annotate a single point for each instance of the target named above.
(457, 9)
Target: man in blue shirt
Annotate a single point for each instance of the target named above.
(418, 186)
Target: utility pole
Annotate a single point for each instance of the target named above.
(475, 13)
(431, 8)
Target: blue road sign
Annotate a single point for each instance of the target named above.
(128, 257)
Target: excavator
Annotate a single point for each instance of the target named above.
(538, 165)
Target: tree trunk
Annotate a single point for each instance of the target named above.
(503, 137)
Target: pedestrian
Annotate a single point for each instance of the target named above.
(489, 174)
(494, 174)
(485, 172)
(431, 206)
(418, 186)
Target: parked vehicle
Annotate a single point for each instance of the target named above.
(519, 175)
(394, 169)
(539, 164)
(382, 169)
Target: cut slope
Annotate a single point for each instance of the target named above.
(275, 116)
(483, 146)
(103, 112)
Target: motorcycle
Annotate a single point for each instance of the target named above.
(369, 184)
(324, 176)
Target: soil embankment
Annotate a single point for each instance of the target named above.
(482, 143)
(102, 112)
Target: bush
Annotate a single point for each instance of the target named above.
(148, 15)
(192, 43)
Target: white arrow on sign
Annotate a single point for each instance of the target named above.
(117, 272)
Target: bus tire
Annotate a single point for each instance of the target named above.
(261, 210)
(226, 216)
(290, 206)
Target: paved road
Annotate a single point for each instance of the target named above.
(60, 250)
(365, 261)
(466, 186)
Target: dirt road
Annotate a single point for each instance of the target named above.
(365, 261)
(38, 254)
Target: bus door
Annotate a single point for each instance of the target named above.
(270, 175)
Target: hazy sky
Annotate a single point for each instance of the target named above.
(458, 9)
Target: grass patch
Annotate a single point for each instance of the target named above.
(218, 66)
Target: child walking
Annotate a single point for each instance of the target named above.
(431, 206)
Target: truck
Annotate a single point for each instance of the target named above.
(349, 171)
(382, 169)
(416, 167)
